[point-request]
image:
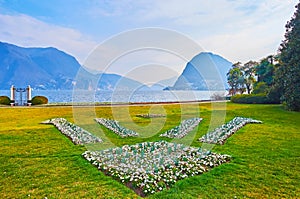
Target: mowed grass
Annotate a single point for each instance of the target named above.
(37, 161)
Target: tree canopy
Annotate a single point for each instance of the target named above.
(288, 74)
(235, 79)
(275, 76)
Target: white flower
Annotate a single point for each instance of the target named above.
(75, 133)
(220, 134)
(183, 129)
(157, 165)
(115, 127)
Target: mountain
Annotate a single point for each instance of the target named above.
(163, 84)
(106, 81)
(51, 69)
(42, 68)
(206, 71)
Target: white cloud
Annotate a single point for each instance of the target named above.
(253, 36)
(238, 30)
(203, 12)
(27, 31)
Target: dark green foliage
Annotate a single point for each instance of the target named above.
(265, 70)
(37, 100)
(260, 87)
(275, 94)
(250, 99)
(4, 100)
(253, 99)
(288, 73)
(241, 77)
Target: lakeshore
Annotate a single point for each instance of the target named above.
(84, 96)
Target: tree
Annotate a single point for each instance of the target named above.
(288, 73)
(235, 79)
(265, 70)
(237, 65)
(249, 72)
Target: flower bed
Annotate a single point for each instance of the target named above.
(75, 133)
(150, 115)
(150, 167)
(116, 127)
(183, 129)
(222, 133)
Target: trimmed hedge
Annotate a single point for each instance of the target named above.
(37, 100)
(4, 100)
(252, 99)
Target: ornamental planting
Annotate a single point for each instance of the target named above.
(222, 133)
(150, 167)
(183, 129)
(116, 127)
(75, 133)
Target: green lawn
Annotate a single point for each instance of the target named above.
(38, 161)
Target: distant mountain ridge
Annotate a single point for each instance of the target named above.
(42, 68)
(52, 69)
(106, 81)
(206, 71)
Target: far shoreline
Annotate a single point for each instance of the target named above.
(109, 104)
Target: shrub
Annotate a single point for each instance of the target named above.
(36, 100)
(251, 99)
(4, 100)
(274, 95)
(260, 87)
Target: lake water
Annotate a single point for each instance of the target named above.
(55, 96)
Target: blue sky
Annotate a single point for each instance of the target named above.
(238, 30)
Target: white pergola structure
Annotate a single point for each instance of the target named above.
(13, 99)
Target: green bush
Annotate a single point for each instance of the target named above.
(36, 100)
(260, 87)
(252, 99)
(274, 95)
(4, 100)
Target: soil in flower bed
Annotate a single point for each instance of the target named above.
(75, 133)
(151, 167)
(150, 115)
(222, 133)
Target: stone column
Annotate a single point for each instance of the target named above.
(12, 95)
(28, 95)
